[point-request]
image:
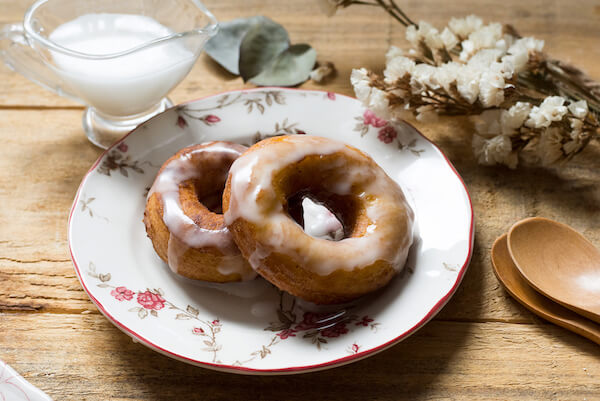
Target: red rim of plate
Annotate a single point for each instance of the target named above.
(295, 369)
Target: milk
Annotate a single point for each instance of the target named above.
(123, 85)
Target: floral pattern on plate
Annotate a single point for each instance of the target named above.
(252, 328)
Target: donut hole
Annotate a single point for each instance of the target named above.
(307, 186)
(212, 201)
(209, 191)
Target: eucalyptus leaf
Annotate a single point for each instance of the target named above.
(291, 67)
(261, 45)
(224, 47)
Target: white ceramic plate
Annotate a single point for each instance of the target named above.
(251, 328)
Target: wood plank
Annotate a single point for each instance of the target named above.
(356, 37)
(443, 361)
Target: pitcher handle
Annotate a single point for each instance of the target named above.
(18, 55)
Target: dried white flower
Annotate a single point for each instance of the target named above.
(427, 114)
(550, 110)
(374, 99)
(422, 76)
(467, 83)
(463, 27)
(393, 52)
(491, 88)
(550, 146)
(449, 39)
(484, 37)
(576, 126)
(361, 83)
(321, 73)
(519, 51)
(513, 118)
(497, 150)
(379, 104)
(487, 124)
(518, 60)
(431, 35)
(530, 44)
(579, 109)
(397, 68)
(484, 58)
(447, 74)
(413, 35)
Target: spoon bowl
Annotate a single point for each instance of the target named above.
(558, 262)
(507, 273)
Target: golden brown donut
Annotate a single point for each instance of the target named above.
(183, 214)
(260, 196)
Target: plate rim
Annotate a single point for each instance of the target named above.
(138, 338)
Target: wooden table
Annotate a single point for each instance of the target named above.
(483, 345)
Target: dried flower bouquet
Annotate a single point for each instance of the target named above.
(526, 106)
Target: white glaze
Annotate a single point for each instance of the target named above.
(184, 233)
(319, 222)
(251, 177)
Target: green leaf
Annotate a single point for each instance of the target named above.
(262, 43)
(291, 67)
(224, 47)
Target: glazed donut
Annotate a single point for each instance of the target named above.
(259, 199)
(182, 215)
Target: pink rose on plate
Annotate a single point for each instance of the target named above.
(149, 300)
(123, 147)
(198, 331)
(335, 331)
(211, 119)
(364, 321)
(369, 118)
(122, 294)
(387, 134)
(283, 334)
(181, 123)
(331, 95)
(355, 348)
(310, 320)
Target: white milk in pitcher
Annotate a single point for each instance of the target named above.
(123, 85)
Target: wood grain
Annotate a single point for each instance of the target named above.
(483, 345)
(443, 361)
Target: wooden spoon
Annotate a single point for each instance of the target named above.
(558, 262)
(508, 274)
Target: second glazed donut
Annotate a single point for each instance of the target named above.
(183, 214)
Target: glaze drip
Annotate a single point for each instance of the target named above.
(184, 232)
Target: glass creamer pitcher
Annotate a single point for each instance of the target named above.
(118, 57)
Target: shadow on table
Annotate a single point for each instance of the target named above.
(407, 370)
